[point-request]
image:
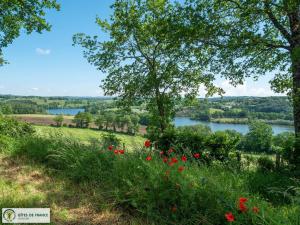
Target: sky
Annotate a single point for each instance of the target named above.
(48, 65)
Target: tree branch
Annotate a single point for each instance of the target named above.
(277, 24)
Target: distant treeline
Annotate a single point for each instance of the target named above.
(264, 108)
(213, 109)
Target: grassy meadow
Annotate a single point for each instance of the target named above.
(86, 135)
(84, 181)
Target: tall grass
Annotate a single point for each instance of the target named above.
(199, 194)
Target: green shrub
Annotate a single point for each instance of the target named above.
(199, 194)
(221, 143)
(286, 141)
(109, 139)
(259, 138)
(7, 144)
(264, 163)
(14, 128)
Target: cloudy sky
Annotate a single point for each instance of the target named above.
(48, 65)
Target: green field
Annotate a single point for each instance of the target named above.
(86, 135)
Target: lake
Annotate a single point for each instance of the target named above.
(242, 128)
(185, 121)
(65, 111)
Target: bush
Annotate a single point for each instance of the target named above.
(221, 143)
(13, 128)
(109, 139)
(286, 141)
(7, 144)
(259, 137)
(264, 163)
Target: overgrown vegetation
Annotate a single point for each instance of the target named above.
(173, 186)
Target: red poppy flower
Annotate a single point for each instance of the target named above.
(183, 158)
(174, 160)
(170, 150)
(165, 159)
(161, 153)
(180, 168)
(243, 200)
(197, 155)
(111, 147)
(147, 143)
(116, 151)
(149, 158)
(255, 209)
(242, 207)
(121, 151)
(229, 217)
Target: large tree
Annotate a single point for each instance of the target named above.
(143, 61)
(249, 38)
(16, 15)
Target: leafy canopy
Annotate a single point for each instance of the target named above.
(16, 15)
(143, 60)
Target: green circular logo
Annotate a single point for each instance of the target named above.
(9, 215)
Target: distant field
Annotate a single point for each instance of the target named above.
(88, 134)
(40, 119)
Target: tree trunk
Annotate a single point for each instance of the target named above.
(296, 100)
(161, 111)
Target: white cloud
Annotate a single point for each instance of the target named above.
(35, 89)
(41, 51)
(246, 90)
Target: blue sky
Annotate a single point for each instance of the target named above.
(48, 65)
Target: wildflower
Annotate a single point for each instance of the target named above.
(180, 168)
(183, 158)
(165, 159)
(147, 143)
(149, 158)
(197, 155)
(242, 206)
(121, 152)
(174, 160)
(111, 147)
(255, 209)
(116, 151)
(243, 200)
(161, 153)
(170, 150)
(229, 216)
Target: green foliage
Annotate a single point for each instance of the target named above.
(14, 128)
(259, 137)
(286, 141)
(27, 15)
(265, 163)
(221, 143)
(142, 59)
(58, 120)
(198, 194)
(7, 144)
(83, 119)
(109, 139)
